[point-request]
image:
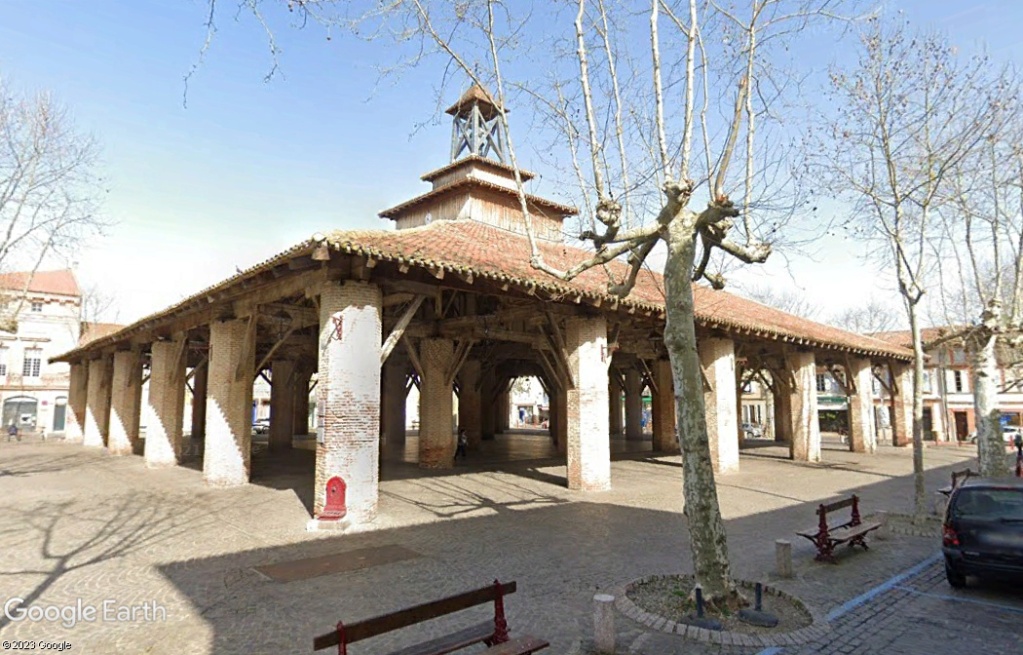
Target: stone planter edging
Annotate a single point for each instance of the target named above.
(818, 627)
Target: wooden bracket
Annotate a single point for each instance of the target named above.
(399, 329)
(413, 356)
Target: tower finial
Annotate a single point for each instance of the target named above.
(477, 128)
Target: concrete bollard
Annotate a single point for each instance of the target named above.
(783, 558)
(882, 518)
(604, 623)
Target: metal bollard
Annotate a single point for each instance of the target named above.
(604, 623)
(783, 558)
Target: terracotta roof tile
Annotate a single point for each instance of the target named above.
(61, 283)
(904, 338)
(469, 182)
(489, 252)
(475, 93)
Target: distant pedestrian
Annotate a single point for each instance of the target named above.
(463, 441)
(12, 432)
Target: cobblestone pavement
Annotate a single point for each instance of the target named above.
(78, 525)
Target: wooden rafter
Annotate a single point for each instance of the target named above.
(413, 356)
(461, 353)
(399, 329)
(273, 349)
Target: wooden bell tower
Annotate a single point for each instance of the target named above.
(477, 128)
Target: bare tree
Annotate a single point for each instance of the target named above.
(873, 317)
(48, 190)
(789, 301)
(658, 146)
(906, 114)
(983, 241)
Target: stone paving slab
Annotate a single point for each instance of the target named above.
(76, 523)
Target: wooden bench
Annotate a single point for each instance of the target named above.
(957, 479)
(491, 633)
(825, 537)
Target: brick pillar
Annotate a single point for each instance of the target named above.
(901, 407)
(633, 405)
(614, 405)
(663, 408)
(200, 379)
(393, 409)
(125, 402)
(488, 403)
(717, 357)
(470, 406)
(303, 375)
(282, 404)
(862, 434)
(589, 455)
(806, 431)
(166, 403)
(97, 410)
(348, 395)
(559, 419)
(228, 447)
(436, 432)
(78, 392)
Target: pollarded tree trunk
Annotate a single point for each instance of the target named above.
(706, 529)
(990, 447)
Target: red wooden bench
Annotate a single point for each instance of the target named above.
(491, 633)
(825, 537)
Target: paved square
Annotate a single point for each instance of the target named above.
(80, 525)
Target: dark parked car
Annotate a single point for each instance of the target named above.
(983, 530)
(261, 426)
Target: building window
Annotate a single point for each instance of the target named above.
(927, 382)
(822, 383)
(33, 361)
(3, 362)
(957, 381)
(37, 305)
(747, 386)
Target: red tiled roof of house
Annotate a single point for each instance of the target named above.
(473, 248)
(93, 331)
(556, 207)
(929, 335)
(60, 283)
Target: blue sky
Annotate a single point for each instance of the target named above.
(251, 167)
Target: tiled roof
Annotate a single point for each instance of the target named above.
(93, 331)
(505, 168)
(471, 247)
(468, 182)
(929, 335)
(60, 283)
(475, 93)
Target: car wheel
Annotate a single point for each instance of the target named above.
(956, 580)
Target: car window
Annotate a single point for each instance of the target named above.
(989, 504)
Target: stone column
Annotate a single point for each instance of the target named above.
(488, 405)
(166, 403)
(717, 357)
(200, 377)
(781, 399)
(436, 432)
(97, 411)
(469, 404)
(633, 405)
(228, 447)
(504, 408)
(614, 405)
(78, 392)
(348, 395)
(304, 374)
(901, 405)
(393, 410)
(665, 440)
(806, 431)
(125, 402)
(589, 454)
(862, 434)
(282, 404)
